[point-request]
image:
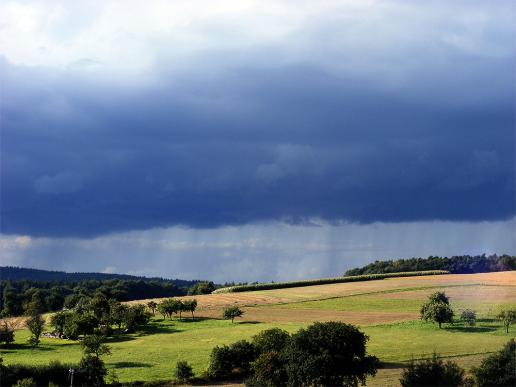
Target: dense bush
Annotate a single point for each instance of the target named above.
(469, 317)
(432, 372)
(498, 369)
(183, 371)
(331, 353)
(6, 333)
(457, 264)
(42, 375)
(323, 281)
(271, 340)
(233, 360)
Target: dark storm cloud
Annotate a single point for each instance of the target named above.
(230, 142)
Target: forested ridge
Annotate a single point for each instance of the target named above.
(22, 290)
(12, 273)
(459, 264)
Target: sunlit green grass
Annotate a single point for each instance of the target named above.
(153, 354)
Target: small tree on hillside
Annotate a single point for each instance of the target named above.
(6, 333)
(183, 371)
(152, 307)
(507, 317)
(191, 306)
(232, 312)
(92, 366)
(469, 317)
(433, 372)
(437, 309)
(35, 325)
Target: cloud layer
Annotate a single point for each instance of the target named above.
(255, 112)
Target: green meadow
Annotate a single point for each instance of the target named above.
(151, 355)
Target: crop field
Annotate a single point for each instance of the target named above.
(386, 310)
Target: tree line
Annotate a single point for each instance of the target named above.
(28, 297)
(459, 264)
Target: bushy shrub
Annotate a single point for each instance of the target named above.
(6, 333)
(432, 372)
(42, 375)
(27, 382)
(469, 317)
(271, 340)
(268, 371)
(183, 371)
(499, 369)
(233, 360)
(92, 370)
(329, 354)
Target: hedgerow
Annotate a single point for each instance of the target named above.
(324, 281)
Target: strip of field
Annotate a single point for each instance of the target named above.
(325, 281)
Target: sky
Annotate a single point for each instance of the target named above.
(254, 140)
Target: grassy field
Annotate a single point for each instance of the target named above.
(386, 310)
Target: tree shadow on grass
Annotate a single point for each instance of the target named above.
(198, 319)
(470, 329)
(249, 322)
(130, 364)
(392, 365)
(26, 347)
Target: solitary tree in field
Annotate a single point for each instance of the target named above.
(232, 312)
(35, 325)
(92, 366)
(469, 317)
(437, 309)
(6, 333)
(507, 317)
(152, 307)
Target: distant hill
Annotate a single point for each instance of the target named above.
(460, 264)
(10, 273)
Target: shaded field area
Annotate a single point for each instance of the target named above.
(386, 310)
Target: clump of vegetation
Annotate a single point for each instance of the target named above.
(183, 372)
(331, 353)
(35, 324)
(204, 287)
(26, 382)
(507, 317)
(232, 312)
(6, 333)
(93, 369)
(469, 317)
(437, 309)
(433, 372)
(498, 369)
(152, 305)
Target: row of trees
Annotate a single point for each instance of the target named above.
(173, 306)
(457, 264)
(439, 310)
